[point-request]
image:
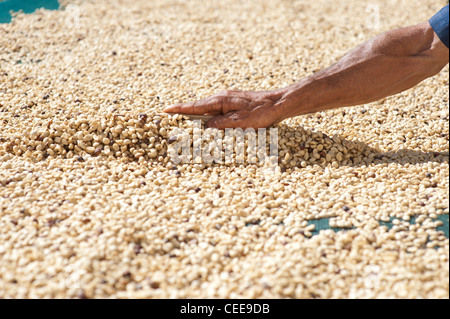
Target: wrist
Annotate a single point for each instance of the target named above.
(293, 100)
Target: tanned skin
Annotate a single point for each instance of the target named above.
(386, 65)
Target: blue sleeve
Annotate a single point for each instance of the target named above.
(439, 23)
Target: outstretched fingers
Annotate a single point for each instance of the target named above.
(211, 105)
(197, 108)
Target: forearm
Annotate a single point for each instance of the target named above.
(388, 64)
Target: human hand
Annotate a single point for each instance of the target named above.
(232, 109)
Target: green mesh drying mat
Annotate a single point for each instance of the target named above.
(27, 6)
(323, 223)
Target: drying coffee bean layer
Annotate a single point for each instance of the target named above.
(91, 205)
